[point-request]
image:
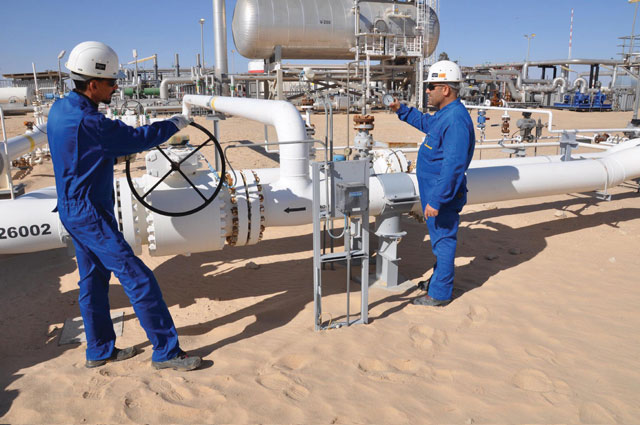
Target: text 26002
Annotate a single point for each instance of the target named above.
(25, 231)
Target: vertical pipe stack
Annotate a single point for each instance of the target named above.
(220, 41)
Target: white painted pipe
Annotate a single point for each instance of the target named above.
(499, 183)
(541, 159)
(292, 190)
(29, 223)
(21, 145)
(164, 85)
(282, 115)
(514, 180)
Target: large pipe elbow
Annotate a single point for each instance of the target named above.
(164, 85)
(581, 83)
(560, 82)
(282, 115)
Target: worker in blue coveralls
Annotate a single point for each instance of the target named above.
(84, 146)
(443, 159)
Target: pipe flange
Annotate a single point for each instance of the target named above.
(233, 238)
(261, 204)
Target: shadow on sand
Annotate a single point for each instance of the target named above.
(32, 301)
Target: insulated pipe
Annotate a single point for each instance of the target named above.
(164, 85)
(29, 223)
(34, 227)
(562, 82)
(515, 93)
(220, 31)
(282, 115)
(492, 184)
(21, 145)
(582, 83)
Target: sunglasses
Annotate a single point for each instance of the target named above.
(110, 82)
(432, 86)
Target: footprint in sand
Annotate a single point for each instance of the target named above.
(398, 371)
(421, 336)
(284, 384)
(130, 403)
(478, 313)
(371, 365)
(96, 389)
(293, 361)
(440, 338)
(407, 365)
(92, 395)
(166, 391)
(532, 380)
(543, 353)
(593, 413)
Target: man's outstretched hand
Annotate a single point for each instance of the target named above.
(395, 105)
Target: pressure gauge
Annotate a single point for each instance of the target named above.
(387, 99)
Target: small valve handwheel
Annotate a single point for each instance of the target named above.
(175, 167)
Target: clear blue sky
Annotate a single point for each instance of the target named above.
(472, 32)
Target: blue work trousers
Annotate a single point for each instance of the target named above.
(100, 250)
(443, 233)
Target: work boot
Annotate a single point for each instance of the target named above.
(116, 356)
(181, 362)
(432, 302)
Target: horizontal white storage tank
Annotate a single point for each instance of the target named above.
(15, 94)
(320, 29)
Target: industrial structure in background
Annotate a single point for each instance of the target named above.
(386, 47)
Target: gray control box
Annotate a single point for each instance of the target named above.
(352, 198)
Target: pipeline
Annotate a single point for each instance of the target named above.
(267, 197)
(164, 85)
(21, 145)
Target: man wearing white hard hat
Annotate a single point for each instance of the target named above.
(443, 159)
(84, 145)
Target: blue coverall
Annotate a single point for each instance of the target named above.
(443, 159)
(84, 144)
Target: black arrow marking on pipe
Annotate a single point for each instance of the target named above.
(290, 210)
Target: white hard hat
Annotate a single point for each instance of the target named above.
(92, 59)
(444, 72)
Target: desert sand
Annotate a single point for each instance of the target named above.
(543, 327)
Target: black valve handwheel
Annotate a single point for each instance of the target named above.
(175, 167)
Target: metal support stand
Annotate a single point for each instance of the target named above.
(568, 142)
(326, 176)
(389, 235)
(216, 117)
(400, 197)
